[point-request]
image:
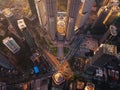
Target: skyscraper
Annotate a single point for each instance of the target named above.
(104, 54)
(101, 15)
(84, 13)
(47, 13)
(8, 13)
(26, 33)
(41, 12)
(51, 8)
(11, 44)
(112, 15)
(32, 7)
(72, 12)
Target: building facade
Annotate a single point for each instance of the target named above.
(104, 54)
(11, 44)
(26, 33)
(112, 15)
(47, 14)
(41, 12)
(101, 15)
(72, 12)
(12, 20)
(84, 13)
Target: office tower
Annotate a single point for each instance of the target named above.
(72, 12)
(112, 15)
(8, 13)
(41, 11)
(84, 13)
(101, 15)
(47, 14)
(32, 7)
(11, 44)
(26, 33)
(111, 33)
(51, 8)
(104, 54)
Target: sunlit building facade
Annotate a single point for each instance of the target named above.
(84, 13)
(47, 14)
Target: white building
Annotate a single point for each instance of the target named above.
(11, 44)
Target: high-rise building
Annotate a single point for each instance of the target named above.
(47, 13)
(8, 13)
(112, 15)
(104, 54)
(107, 13)
(84, 13)
(32, 7)
(51, 8)
(41, 11)
(11, 44)
(72, 12)
(111, 33)
(101, 15)
(26, 33)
